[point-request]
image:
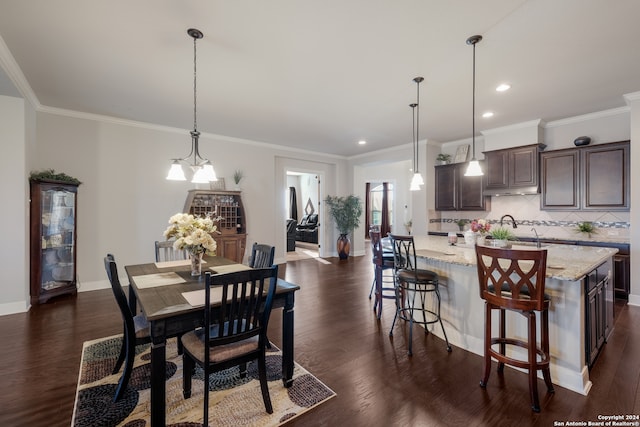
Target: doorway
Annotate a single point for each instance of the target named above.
(379, 210)
(304, 197)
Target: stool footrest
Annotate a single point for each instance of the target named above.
(525, 364)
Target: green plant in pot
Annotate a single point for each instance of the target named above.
(346, 212)
(501, 236)
(237, 177)
(444, 158)
(586, 227)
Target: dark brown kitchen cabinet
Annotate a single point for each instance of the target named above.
(586, 178)
(512, 171)
(621, 266)
(560, 182)
(598, 312)
(606, 177)
(622, 274)
(456, 192)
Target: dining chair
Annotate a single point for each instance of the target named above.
(261, 256)
(514, 280)
(412, 287)
(234, 331)
(136, 328)
(165, 252)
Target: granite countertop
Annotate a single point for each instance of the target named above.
(564, 262)
(578, 237)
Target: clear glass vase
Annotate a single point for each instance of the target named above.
(196, 263)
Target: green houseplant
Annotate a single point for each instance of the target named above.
(237, 177)
(586, 227)
(500, 237)
(346, 212)
(444, 158)
(52, 175)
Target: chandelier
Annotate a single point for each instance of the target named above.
(202, 168)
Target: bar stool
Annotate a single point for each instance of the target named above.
(382, 261)
(412, 287)
(514, 280)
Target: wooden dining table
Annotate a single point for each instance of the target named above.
(157, 289)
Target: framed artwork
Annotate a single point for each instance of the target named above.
(217, 185)
(461, 153)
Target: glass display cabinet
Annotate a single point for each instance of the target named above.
(53, 239)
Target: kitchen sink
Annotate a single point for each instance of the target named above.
(528, 245)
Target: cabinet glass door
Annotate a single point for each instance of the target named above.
(58, 218)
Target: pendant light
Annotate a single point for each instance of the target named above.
(474, 166)
(202, 168)
(415, 186)
(417, 180)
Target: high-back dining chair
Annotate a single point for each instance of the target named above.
(235, 333)
(514, 280)
(165, 252)
(136, 328)
(261, 256)
(382, 262)
(412, 287)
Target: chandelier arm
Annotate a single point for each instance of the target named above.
(195, 98)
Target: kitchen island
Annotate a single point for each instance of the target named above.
(462, 309)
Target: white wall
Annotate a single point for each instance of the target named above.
(14, 216)
(634, 102)
(124, 201)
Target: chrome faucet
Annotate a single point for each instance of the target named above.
(537, 238)
(513, 221)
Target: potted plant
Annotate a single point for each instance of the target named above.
(237, 177)
(586, 227)
(52, 175)
(500, 237)
(444, 159)
(346, 212)
(461, 223)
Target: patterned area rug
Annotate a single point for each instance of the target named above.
(234, 400)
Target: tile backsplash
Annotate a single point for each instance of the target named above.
(549, 224)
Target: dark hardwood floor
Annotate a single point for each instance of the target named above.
(338, 339)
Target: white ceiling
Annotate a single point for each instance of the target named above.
(321, 75)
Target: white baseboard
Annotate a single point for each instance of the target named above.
(14, 307)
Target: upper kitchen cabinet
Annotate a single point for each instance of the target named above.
(586, 178)
(512, 171)
(456, 192)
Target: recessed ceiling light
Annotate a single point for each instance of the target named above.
(503, 87)
(487, 114)
(362, 142)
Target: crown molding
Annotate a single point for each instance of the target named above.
(630, 97)
(516, 126)
(13, 71)
(590, 116)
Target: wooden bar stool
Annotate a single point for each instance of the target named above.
(514, 280)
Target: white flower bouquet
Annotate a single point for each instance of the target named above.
(192, 233)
